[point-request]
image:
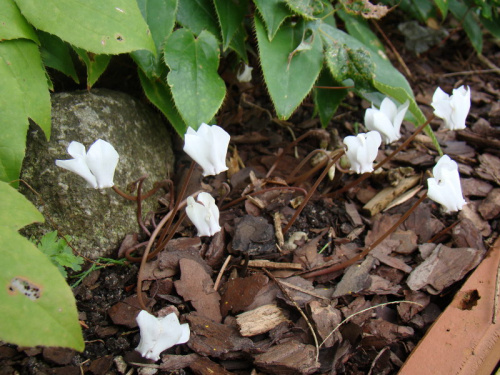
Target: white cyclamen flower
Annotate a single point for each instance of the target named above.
(362, 150)
(97, 166)
(244, 74)
(204, 214)
(452, 109)
(386, 120)
(208, 147)
(444, 187)
(159, 334)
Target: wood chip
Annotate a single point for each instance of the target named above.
(260, 320)
(261, 263)
(387, 195)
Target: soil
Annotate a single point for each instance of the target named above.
(377, 341)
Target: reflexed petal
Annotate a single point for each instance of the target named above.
(362, 150)
(398, 119)
(388, 108)
(221, 142)
(441, 105)
(444, 187)
(76, 149)
(185, 334)
(79, 167)
(385, 127)
(460, 104)
(102, 160)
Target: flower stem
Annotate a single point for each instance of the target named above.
(364, 176)
(347, 263)
(313, 189)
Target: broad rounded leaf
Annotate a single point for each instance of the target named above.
(24, 94)
(13, 24)
(291, 63)
(100, 27)
(197, 89)
(160, 17)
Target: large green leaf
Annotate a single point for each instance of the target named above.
(470, 23)
(291, 62)
(198, 15)
(443, 7)
(56, 54)
(358, 27)
(160, 95)
(37, 307)
(12, 23)
(386, 78)
(273, 13)
(100, 27)
(23, 94)
(231, 14)
(305, 8)
(160, 17)
(197, 89)
(96, 65)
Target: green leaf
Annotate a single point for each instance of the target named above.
(35, 301)
(197, 89)
(56, 54)
(291, 62)
(386, 78)
(327, 98)
(96, 65)
(305, 8)
(100, 27)
(493, 25)
(160, 17)
(160, 95)
(24, 94)
(443, 7)
(238, 43)
(273, 13)
(469, 21)
(346, 63)
(198, 15)
(15, 210)
(358, 27)
(231, 14)
(13, 25)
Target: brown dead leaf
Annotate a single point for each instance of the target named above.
(196, 285)
(240, 292)
(408, 310)
(469, 211)
(355, 279)
(124, 312)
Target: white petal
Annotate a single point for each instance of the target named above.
(369, 118)
(460, 104)
(198, 213)
(385, 127)
(76, 149)
(149, 327)
(221, 140)
(102, 160)
(185, 334)
(445, 187)
(398, 119)
(388, 108)
(79, 167)
(441, 105)
(245, 75)
(198, 149)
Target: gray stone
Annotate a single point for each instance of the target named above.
(97, 220)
